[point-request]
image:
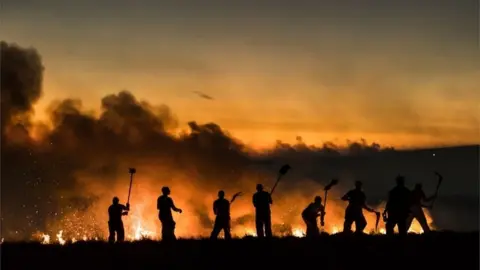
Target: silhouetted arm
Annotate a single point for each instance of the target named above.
(124, 210)
(346, 197)
(215, 208)
(254, 200)
(174, 208)
(428, 199)
(158, 203)
(321, 213)
(388, 205)
(371, 210)
(270, 199)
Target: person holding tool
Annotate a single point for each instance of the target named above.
(416, 210)
(221, 209)
(262, 201)
(397, 209)
(115, 213)
(263, 219)
(327, 188)
(115, 223)
(310, 215)
(354, 213)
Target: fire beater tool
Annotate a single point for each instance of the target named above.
(132, 171)
(327, 188)
(439, 183)
(283, 170)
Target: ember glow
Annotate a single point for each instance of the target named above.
(142, 221)
(141, 234)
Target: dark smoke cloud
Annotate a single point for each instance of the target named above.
(21, 81)
(40, 177)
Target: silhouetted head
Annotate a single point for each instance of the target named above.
(418, 186)
(358, 184)
(259, 187)
(115, 200)
(317, 200)
(400, 181)
(221, 194)
(166, 190)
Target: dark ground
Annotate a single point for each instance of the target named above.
(435, 251)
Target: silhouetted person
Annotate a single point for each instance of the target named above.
(221, 209)
(310, 215)
(263, 219)
(115, 224)
(416, 211)
(165, 206)
(354, 213)
(398, 207)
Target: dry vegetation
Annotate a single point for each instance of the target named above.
(434, 251)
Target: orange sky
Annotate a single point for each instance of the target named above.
(399, 81)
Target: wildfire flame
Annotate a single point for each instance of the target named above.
(60, 239)
(142, 220)
(334, 229)
(140, 233)
(45, 238)
(298, 233)
(250, 232)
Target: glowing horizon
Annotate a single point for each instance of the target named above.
(263, 138)
(391, 74)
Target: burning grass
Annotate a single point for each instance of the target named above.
(140, 227)
(197, 218)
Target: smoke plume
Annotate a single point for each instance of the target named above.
(65, 177)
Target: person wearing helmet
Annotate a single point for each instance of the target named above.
(165, 206)
(397, 209)
(416, 211)
(221, 209)
(354, 213)
(310, 215)
(263, 220)
(115, 223)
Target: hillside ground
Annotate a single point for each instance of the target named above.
(435, 251)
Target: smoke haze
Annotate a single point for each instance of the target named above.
(62, 174)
